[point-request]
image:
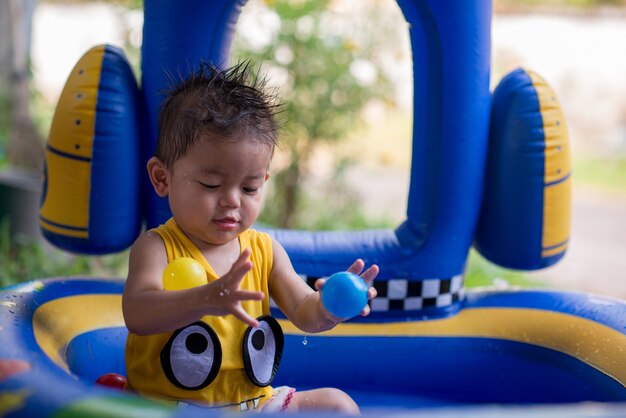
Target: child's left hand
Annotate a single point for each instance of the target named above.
(368, 277)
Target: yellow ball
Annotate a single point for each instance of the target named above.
(183, 273)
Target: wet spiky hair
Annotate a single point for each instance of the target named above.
(226, 104)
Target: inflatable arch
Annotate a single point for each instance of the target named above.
(489, 169)
(98, 133)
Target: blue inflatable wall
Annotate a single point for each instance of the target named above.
(470, 159)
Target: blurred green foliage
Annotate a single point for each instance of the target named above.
(482, 273)
(5, 123)
(604, 173)
(23, 259)
(332, 205)
(325, 74)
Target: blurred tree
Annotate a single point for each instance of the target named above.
(325, 74)
(24, 145)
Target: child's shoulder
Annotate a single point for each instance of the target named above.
(257, 234)
(258, 237)
(148, 239)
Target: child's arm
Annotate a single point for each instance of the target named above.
(148, 309)
(301, 304)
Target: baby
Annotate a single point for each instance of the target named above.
(217, 133)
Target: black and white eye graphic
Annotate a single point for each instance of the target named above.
(192, 357)
(262, 350)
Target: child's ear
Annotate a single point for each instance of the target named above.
(159, 176)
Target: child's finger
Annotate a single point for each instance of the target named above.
(370, 274)
(319, 283)
(237, 274)
(243, 257)
(239, 268)
(357, 267)
(366, 310)
(243, 316)
(249, 295)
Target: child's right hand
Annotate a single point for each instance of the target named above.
(225, 296)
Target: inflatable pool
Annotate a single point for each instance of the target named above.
(490, 169)
(511, 348)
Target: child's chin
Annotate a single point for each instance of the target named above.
(222, 237)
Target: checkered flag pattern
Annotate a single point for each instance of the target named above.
(411, 295)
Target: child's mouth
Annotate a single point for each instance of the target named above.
(226, 224)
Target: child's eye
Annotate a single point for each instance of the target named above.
(210, 186)
(250, 190)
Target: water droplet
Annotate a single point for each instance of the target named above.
(304, 341)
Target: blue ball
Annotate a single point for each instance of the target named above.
(344, 294)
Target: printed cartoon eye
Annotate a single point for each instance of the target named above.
(262, 350)
(192, 357)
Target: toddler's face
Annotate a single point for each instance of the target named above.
(215, 189)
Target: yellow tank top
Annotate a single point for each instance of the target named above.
(206, 362)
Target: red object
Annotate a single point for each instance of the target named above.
(112, 380)
(12, 367)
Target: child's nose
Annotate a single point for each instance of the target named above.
(230, 199)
